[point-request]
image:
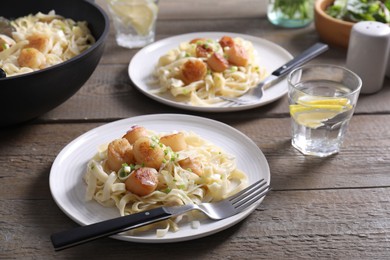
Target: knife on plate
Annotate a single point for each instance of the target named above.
(83, 234)
(302, 58)
(218, 210)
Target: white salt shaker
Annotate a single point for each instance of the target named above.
(368, 53)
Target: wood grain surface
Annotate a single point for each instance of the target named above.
(330, 208)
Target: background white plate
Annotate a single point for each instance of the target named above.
(68, 188)
(142, 65)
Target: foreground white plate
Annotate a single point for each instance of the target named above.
(142, 65)
(68, 188)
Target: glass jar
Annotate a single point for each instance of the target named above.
(290, 13)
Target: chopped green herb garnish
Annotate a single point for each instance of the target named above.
(174, 156)
(122, 174)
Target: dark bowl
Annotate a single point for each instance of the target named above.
(30, 95)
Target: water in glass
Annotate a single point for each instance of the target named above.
(320, 112)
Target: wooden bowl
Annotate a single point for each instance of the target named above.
(332, 31)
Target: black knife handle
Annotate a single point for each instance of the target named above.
(82, 234)
(304, 57)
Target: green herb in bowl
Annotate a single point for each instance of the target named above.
(360, 10)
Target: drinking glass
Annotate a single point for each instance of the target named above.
(322, 99)
(290, 13)
(134, 21)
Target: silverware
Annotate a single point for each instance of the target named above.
(254, 94)
(217, 210)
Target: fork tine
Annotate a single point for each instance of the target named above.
(232, 102)
(248, 190)
(248, 195)
(251, 199)
(238, 101)
(229, 102)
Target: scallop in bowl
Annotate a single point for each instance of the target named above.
(28, 94)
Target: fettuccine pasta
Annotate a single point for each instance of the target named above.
(203, 69)
(144, 170)
(42, 40)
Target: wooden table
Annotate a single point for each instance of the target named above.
(337, 207)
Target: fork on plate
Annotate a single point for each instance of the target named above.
(216, 210)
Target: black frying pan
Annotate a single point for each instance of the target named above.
(27, 96)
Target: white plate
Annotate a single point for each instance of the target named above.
(68, 188)
(142, 65)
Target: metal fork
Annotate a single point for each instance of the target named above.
(255, 94)
(217, 210)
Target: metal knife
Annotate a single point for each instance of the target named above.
(82, 234)
(302, 58)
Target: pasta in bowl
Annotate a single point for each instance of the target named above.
(25, 96)
(202, 69)
(144, 170)
(42, 40)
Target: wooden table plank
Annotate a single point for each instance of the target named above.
(202, 9)
(293, 41)
(329, 224)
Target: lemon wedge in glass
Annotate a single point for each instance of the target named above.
(310, 100)
(140, 14)
(312, 111)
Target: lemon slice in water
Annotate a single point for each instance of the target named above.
(312, 118)
(310, 101)
(140, 14)
(312, 112)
